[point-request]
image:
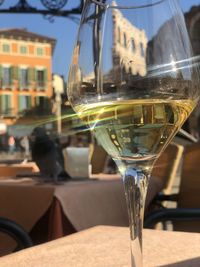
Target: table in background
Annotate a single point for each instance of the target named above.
(50, 211)
(15, 169)
(106, 246)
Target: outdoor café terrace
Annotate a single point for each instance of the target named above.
(64, 190)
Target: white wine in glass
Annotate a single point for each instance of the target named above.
(134, 82)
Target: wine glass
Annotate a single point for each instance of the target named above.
(134, 82)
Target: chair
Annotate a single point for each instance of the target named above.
(77, 161)
(16, 232)
(187, 214)
(164, 172)
(98, 159)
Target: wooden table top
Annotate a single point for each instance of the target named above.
(106, 246)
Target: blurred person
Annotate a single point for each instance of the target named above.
(11, 144)
(24, 142)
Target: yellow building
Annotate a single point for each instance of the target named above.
(25, 72)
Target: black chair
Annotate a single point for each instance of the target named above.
(173, 215)
(186, 215)
(16, 232)
(164, 172)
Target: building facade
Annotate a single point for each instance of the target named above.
(25, 72)
(193, 25)
(129, 42)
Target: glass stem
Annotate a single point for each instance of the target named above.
(135, 185)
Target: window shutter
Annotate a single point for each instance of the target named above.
(35, 79)
(1, 76)
(5, 107)
(31, 76)
(3, 102)
(29, 102)
(10, 75)
(35, 75)
(37, 101)
(19, 103)
(45, 77)
(9, 107)
(16, 73)
(19, 77)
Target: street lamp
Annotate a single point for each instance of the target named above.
(58, 85)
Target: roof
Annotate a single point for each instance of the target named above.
(23, 34)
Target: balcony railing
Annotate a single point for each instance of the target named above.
(8, 112)
(41, 85)
(51, 8)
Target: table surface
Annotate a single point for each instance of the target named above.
(25, 201)
(106, 246)
(84, 204)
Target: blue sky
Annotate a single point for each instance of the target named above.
(63, 30)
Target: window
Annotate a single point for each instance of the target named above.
(43, 104)
(6, 48)
(125, 41)
(41, 101)
(138, 114)
(40, 51)
(132, 45)
(23, 78)
(119, 35)
(6, 76)
(159, 113)
(41, 76)
(23, 49)
(5, 105)
(24, 102)
(142, 50)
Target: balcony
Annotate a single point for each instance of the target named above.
(41, 85)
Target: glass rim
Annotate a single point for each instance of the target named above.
(97, 2)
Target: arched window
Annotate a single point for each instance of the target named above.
(119, 35)
(132, 45)
(142, 50)
(125, 41)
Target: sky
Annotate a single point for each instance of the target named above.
(64, 30)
